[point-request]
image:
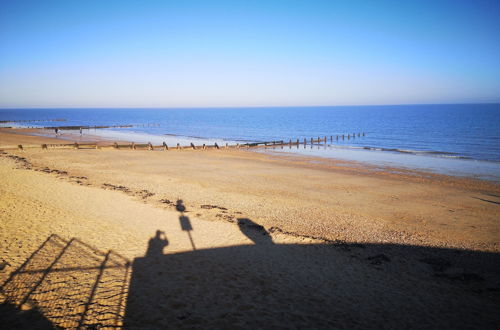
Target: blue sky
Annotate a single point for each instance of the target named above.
(247, 53)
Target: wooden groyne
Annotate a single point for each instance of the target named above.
(148, 146)
(30, 120)
(83, 127)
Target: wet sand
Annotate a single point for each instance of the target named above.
(259, 241)
(10, 138)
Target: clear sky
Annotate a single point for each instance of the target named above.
(83, 53)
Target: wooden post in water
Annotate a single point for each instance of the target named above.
(336, 138)
(331, 138)
(165, 147)
(363, 133)
(311, 141)
(325, 139)
(342, 136)
(348, 136)
(359, 134)
(192, 146)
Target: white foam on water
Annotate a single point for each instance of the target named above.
(484, 170)
(139, 137)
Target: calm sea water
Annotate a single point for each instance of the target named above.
(457, 131)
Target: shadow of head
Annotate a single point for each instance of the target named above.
(253, 231)
(156, 244)
(179, 206)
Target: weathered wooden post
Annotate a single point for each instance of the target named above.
(193, 146)
(203, 146)
(290, 144)
(44, 146)
(311, 141)
(342, 136)
(363, 133)
(115, 145)
(150, 146)
(20, 147)
(165, 147)
(359, 134)
(76, 145)
(331, 138)
(348, 136)
(237, 145)
(216, 145)
(178, 146)
(325, 139)
(336, 138)
(227, 145)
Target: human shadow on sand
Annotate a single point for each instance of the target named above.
(69, 284)
(334, 285)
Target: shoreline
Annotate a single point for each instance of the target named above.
(387, 161)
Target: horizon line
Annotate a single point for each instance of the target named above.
(249, 107)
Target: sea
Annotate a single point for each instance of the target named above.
(453, 139)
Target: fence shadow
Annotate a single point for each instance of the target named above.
(70, 284)
(67, 284)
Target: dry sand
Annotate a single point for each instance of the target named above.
(264, 242)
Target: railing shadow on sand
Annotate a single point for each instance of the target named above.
(66, 284)
(257, 285)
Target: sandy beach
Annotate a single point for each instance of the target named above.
(239, 239)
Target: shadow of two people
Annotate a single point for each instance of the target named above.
(329, 285)
(250, 229)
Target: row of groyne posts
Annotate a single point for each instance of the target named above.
(164, 146)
